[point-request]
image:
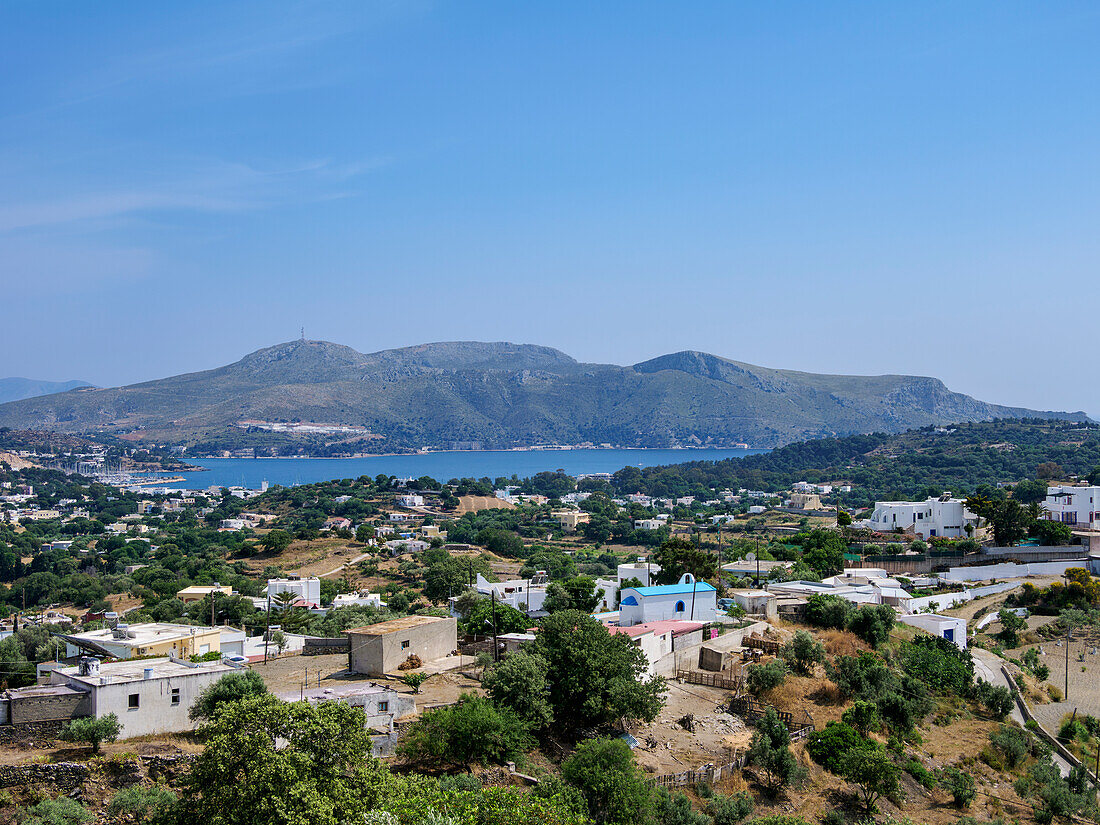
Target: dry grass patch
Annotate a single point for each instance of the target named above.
(841, 642)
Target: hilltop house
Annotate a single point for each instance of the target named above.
(1073, 505)
(943, 516)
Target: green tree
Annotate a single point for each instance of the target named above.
(823, 610)
(1030, 492)
(268, 761)
(480, 617)
(872, 623)
(603, 770)
(960, 785)
(873, 772)
(770, 752)
(520, 682)
(678, 556)
(276, 541)
(1011, 625)
(92, 731)
(577, 593)
(862, 716)
(233, 687)
(802, 653)
(823, 551)
(471, 731)
(415, 680)
(594, 677)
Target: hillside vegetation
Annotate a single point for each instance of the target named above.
(923, 461)
(496, 395)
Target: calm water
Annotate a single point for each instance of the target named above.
(249, 472)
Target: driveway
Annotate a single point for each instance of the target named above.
(987, 666)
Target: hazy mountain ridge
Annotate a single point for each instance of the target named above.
(16, 389)
(506, 395)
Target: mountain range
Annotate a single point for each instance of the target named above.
(496, 395)
(16, 389)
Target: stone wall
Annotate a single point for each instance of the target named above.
(65, 776)
(32, 735)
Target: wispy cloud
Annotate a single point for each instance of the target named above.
(219, 187)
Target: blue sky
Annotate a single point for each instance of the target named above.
(833, 187)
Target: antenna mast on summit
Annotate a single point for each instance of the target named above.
(303, 333)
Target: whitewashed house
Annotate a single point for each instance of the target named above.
(687, 600)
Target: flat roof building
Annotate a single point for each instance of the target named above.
(378, 649)
(151, 639)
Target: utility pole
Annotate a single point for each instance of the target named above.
(1069, 638)
(693, 583)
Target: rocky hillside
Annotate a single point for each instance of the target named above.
(499, 395)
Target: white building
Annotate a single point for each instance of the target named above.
(648, 524)
(399, 546)
(360, 599)
(943, 516)
(411, 501)
(148, 696)
(947, 627)
(1073, 505)
(687, 600)
(658, 640)
(525, 595)
(126, 641)
(308, 590)
(642, 570)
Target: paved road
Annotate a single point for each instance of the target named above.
(987, 666)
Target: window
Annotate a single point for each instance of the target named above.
(405, 644)
(135, 701)
(383, 707)
(175, 696)
(680, 607)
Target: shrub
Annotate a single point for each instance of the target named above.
(675, 809)
(1072, 728)
(960, 785)
(831, 744)
(863, 716)
(1012, 742)
(939, 664)
(873, 623)
(729, 810)
(764, 677)
(920, 773)
(827, 611)
(141, 802)
(997, 699)
(60, 811)
(802, 652)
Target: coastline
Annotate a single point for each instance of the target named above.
(464, 452)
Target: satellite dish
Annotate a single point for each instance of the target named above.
(750, 557)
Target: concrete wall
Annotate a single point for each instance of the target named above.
(1009, 570)
(377, 655)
